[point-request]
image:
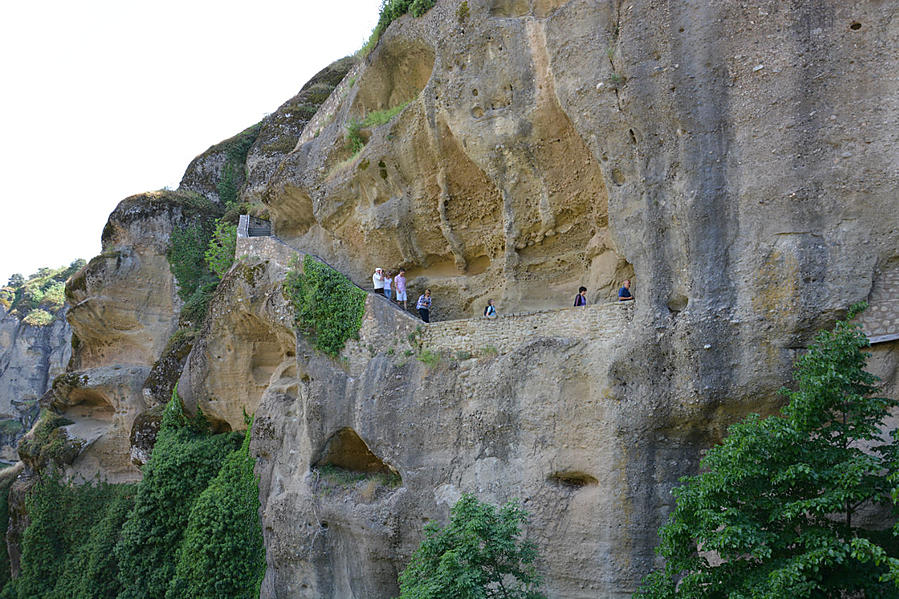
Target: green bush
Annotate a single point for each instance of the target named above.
(54, 296)
(479, 554)
(66, 549)
(430, 358)
(223, 554)
(220, 250)
(38, 318)
(355, 141)
(187, 258)
(382, 117)
(227, 186)
(327, 306)
(185, 458)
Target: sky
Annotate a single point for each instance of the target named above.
(103, 100)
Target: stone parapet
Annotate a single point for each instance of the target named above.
(501, 335)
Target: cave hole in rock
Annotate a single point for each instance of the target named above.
(677, 302)
(346, 459)
(855, 26)
(89, 404)
(291, 212)
(400, 69)
(572, 479)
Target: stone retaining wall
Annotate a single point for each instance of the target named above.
(481, 335)
(267, 248)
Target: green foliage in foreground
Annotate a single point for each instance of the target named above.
(190, 528)
(220, 250)
(778, 499)
(327, 306)
(479, 555)
(390, 11)
(67, 547)
(223, 553)
(186, 457)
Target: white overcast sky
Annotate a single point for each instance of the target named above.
(102, 100)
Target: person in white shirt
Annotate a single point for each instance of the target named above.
(377, 281)
(388, 285)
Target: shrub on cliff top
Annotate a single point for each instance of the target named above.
(390, 11)
(185, 458)
(327, 306)
(223, 554)
(778, 500)
(480, 554)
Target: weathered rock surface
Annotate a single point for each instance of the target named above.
(30, 358)
(735, 160)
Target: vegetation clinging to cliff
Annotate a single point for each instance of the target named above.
(223, 554)
(186, 457)
(327, 306)
(777, 499)
(67, 547)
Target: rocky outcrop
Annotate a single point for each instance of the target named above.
(30, 358)
(124, 309)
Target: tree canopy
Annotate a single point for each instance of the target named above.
(775, 511)
(479, 555)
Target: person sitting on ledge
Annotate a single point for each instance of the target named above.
(624, 294)
(581, 298)
(490, 310)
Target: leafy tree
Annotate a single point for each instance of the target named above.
(16, 280)
(778, 499)
(223, 554)
(478, 555)
(220, 251)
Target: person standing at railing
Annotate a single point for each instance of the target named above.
(581, 298)
(424, 305)
(624, 294)
(490, 310)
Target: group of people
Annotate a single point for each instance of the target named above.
(393, 287)
(624, 294)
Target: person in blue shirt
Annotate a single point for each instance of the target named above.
(624, 294)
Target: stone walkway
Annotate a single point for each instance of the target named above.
(881, 320)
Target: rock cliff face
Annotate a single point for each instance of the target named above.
(30, 358)
(735, 160)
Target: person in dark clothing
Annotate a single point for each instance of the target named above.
(424, 305)
(624, 294)
(581, 298)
